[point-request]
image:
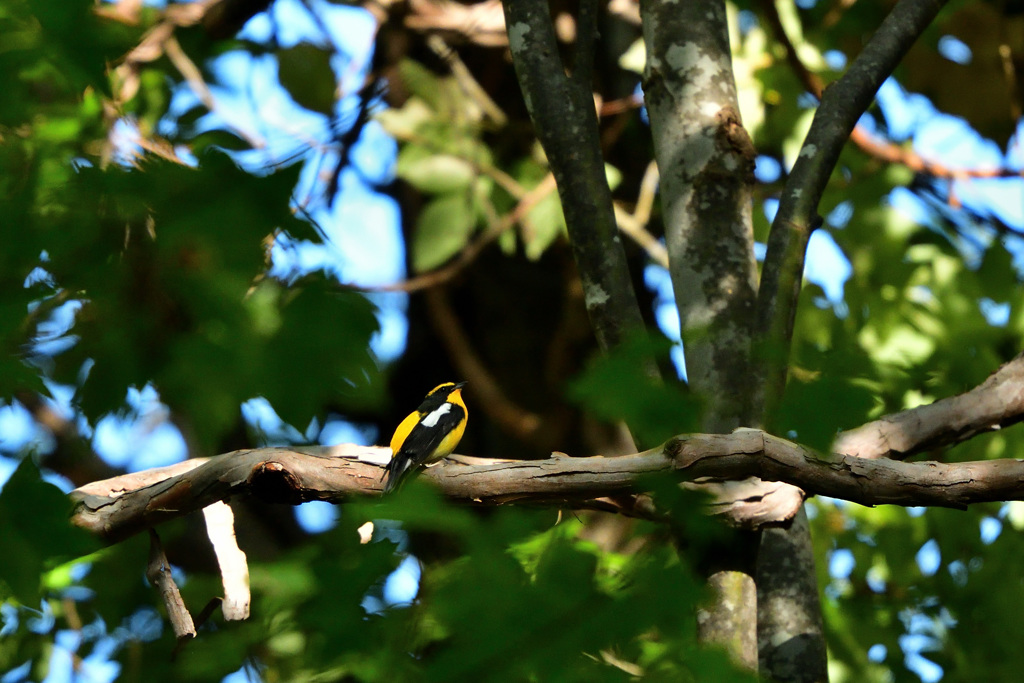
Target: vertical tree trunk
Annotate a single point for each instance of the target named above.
(706, 161)
(790, 630)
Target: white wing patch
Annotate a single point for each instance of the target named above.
(431, 419)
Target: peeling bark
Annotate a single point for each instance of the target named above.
(706, 162)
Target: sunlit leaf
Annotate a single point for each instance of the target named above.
(405, 122)
(543, 224)
(432, 172)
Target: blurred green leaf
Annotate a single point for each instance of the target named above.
(300, 374)
(435, 173)
(545, 221)
(405, 122)
(543, 224)
(615, 387)
(816, 408)
(996, 275)
(167, 267)
(305, 72)
(422, 82)
(442, 230)
(36, 531)
(613, 175)
(118, 577)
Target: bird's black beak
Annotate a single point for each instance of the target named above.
(459, 385)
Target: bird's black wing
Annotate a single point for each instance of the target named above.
(422, 441)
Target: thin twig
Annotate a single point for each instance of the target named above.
(635, 224)
(894, 154)
(880, 149)
(635, 229)
(187, 68)
(466, 81)
(207, 611)
(156, 145)
(648, 190)
(481, 22)
(619, 106)
(807, 78)
(158, 571)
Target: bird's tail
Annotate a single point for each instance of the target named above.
(396, 471)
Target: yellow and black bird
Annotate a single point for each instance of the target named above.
(429, 433)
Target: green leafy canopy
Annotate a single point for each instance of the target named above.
(36, 534)
(615, 387)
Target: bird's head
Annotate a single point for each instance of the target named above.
(446, 389)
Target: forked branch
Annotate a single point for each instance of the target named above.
(842, 104)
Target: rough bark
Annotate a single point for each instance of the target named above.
(725, 618)
(706, 160)
(790, 632)
(842, 104)
(790, 624)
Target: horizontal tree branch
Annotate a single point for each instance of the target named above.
(120, 507)
(125, 505)
(996, 403)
